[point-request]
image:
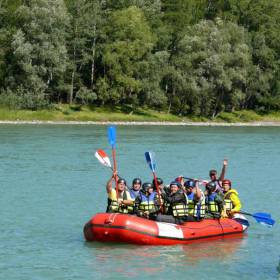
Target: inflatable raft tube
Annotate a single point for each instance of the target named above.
(124, 228)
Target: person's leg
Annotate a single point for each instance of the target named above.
(165, 219)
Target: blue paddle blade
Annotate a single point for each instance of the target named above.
(266, 215)
(150, 158)
(112, 135)
(264, 220)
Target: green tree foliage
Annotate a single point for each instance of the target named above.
(128, 41)
(262, 19)
(7, 28)
(197, 57)
(212, 68)
(83, 33)
(38, 57)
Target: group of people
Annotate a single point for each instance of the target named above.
(181, 201)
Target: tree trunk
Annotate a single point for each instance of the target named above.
(93, 57)
(72, 87)
(74, 69)
(169, 107)
(170, 101)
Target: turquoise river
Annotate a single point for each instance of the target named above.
(51, 184)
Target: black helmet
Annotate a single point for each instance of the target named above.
(189, 184)
(121, 180)
(159, 181)
(176, 184)
(146, 187)
(136, 181)
(211, 186)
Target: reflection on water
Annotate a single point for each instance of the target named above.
(278, 268)
(154, 259)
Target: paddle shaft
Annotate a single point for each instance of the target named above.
(246, 213)
(115, 169)
(254, 215)
(157, 188)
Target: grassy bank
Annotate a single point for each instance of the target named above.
(77, 113)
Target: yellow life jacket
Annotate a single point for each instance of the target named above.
(166, 206)
(147, 203)
(228, 201)
(212, 206)
(179, 209)
(114, 205)
(130, 208)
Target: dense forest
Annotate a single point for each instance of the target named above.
(198, 57)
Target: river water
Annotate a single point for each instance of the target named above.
(51, 185)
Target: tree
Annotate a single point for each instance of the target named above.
(151, 72)
(128, 41)
(38, 56)
(213, 60)
(7, 29)
(84, 31)
(261, 18)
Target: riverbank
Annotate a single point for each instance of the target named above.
(65, 114)
(253, 124)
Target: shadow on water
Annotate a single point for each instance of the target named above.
(154, 259)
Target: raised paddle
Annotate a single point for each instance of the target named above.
(150, 158)
(204, 182)
(103, 158)
(261, 218)
(112, 135)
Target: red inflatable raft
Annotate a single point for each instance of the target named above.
(115, 227)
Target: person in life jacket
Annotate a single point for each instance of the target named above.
(177, 211)
(134, 192)
(146, 203)
(213, 176)
(118, 202)
(196, 200)
(163, 189)
(135, 189)
(231, 198)
(214, 202)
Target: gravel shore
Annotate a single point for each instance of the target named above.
(263, 123)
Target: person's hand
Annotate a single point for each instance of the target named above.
(146, 214)
(161, 201)
(115, 174)
(225, 162)
(224, 214)
(230, 213)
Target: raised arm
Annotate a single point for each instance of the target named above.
(109, 185)
(223, 172)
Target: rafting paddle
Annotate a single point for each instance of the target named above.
(112, 135)
(103, 158)
(261, 218)
(150, 158)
